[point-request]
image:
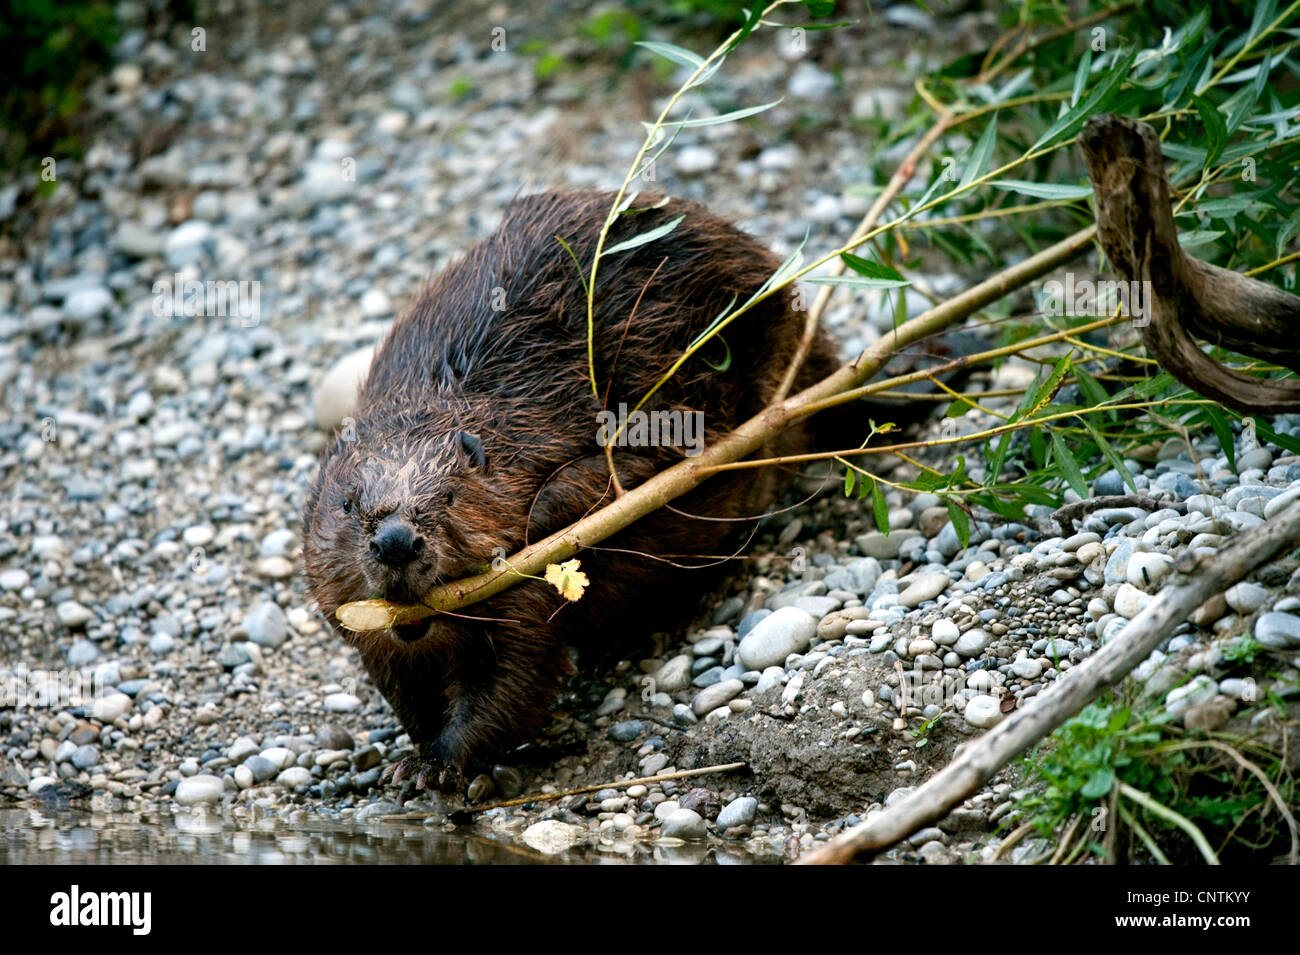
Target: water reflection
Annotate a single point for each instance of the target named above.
(72, 837)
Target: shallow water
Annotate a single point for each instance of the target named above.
(31, 836)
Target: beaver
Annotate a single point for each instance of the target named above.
(477, 431)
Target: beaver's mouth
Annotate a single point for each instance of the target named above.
(410, 632)
(402, 593)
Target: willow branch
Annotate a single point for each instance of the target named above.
(747, 438)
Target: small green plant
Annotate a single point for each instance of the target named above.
(1116, 783)
(922, 733)
(461, 87)
(1244, 650)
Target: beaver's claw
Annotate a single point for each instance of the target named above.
(429, 772)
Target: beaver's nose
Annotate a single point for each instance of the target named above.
(396, 543)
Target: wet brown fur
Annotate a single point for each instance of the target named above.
(493, 355)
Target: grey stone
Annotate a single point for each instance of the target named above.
(84, 304)
(1278, 630)
(200, 789)
(261, 768)
(1027, 669)
(983, 712)
(674, 675)
(626, 731)
(82, 653)
(1246, 597)
(741, 811)
(710, 698)
(266, 625)
(788, 630)
(973, 642)
(685, 824)
(924, 587)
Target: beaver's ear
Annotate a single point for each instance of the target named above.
(473, 450)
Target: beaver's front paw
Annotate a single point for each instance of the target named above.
(429, 767)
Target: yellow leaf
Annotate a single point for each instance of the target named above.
(567, 579)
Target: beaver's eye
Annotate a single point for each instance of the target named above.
(347, 505)
(449, 498)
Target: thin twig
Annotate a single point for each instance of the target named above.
(901, 177)
(1179, 820)
(1012, 839)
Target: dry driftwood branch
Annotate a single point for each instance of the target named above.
(1067, 515)
(749, 437)
(983, 758)
(1186, 297)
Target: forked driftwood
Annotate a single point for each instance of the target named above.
(1067, 515)
(983, 758)
(1185, 296)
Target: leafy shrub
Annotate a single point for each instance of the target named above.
(49, 51)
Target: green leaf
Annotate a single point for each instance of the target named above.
(850, 479)
(1042, 190)
(872, 270)
(1249, 95)
(1112, 458)
(1026, 400)
(645, 237)
(674, 53)
(723, 117)
(667, 136)
(702, 336)
(960, 521)
(857, 281)
(1047, 390)
(864, 489)
(1190, 70)
(1263, 16)
(1030, 492)
(1081, 76)
(820, 8)
(979, 157)
(1073, 119)
(1215, 126)
(752, 17)
(1199, 237)
(879, 509)
(1091, 388)
(1068, 465)
(926, 482)
(1223, 431)
(1099, 783)
(726, 358)
(1145, 389)
(787, 269)
(958, 473)
(999, 456)
(582, 276)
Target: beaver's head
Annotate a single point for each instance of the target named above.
(399, 507)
